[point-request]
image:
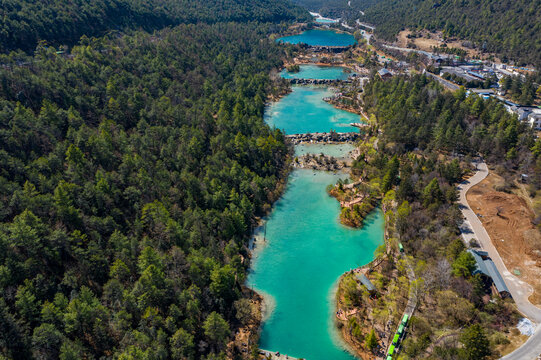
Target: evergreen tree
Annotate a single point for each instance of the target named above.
(371, 341)
(476, 344)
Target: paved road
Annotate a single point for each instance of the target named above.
(429, 54)
(520, 291)
(451, 86)
(358, 21)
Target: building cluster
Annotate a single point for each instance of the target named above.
(481, 72)
(528, 114)
(470, 72)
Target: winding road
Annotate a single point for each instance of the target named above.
(472, 228)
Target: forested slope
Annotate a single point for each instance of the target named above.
(421, 129)
(415, 113)
(131, 171)
(25, 22)
(507, 27)
(345, 9)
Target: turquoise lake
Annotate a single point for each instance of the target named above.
(311, 71)
(297, 267)
(326, 21)
(336, 150)
(305, 248)
(304, 111)
(320, 38)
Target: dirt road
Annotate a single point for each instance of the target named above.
(520, 291)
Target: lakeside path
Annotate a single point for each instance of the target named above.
(520, 291)
(412, 298)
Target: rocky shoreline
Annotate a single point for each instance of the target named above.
(320, 162)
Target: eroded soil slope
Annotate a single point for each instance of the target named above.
(508, 220)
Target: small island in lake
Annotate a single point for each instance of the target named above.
(295, 68)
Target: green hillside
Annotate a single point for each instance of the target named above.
(24, 22)
(132, 169)
(508, 27)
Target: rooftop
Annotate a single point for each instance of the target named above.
(496, 276)
(367, 283)
(488, 268)
(481, 267)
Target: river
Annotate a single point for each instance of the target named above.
(305, 248)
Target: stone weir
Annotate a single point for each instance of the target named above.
(327, 138)
(332, 49)
(318, 81)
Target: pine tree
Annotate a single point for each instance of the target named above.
(476, 345)
(371, 340)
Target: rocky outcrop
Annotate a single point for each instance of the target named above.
(319, 162)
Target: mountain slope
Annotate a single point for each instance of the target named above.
(507, 27)
(25, 22)
(132, 170)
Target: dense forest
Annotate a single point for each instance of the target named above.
(131, 172)
(509, 28)
(417, 114)
(332, 8)
(427, 141)
(348, 10)
(25, 22)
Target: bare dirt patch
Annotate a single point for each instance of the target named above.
(425, 40)
(508, 220)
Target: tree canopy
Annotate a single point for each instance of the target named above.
(25, 22)
(132, 169)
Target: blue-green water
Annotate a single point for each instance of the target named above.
(306, 249)
(311, 71)
(304, 111)
(336, 150)
(326, 21)
(305, 252)
(320, 38)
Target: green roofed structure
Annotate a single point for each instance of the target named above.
(405, 319)
(401, 328)
(391, 351)
(395, 339)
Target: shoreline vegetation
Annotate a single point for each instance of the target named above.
(360, 197)
(418, 190)
(293, 69)
(410, 186)
(137, 186)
